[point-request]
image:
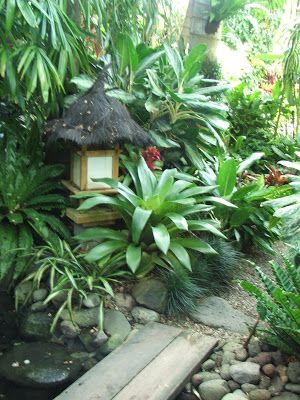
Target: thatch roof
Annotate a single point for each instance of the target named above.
(97, 119)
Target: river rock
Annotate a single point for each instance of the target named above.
(151, 293)
(232, 346)
(269, 370)
(233, 385)
(213, 390)
(276, 385)
(124, 301)
(224, 372)
(232, 396)
(293, 387)
(286, 396)
(241, 354)
(115, 323)
(265, 382)
(218, 313)
(254, 347)
(91, 300)
(143, 315)
(209, 376)
(245, 372)
(39, 294)
(248, 387)
(84, 318)
(99, 339)
(38, 306)
(259, 394)
(112, 343)
(263, 358)
(293, 372)
(23, 291)
(47, 365)
(208, 365)
(36, 326)
(69, 330)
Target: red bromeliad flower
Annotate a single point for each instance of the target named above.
(151, 154)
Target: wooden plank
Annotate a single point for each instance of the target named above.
(112, 374)
(167, 374)
(95, 216)
(75, 190)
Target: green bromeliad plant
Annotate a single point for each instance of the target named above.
(160, 214)
(279, 305)
(248, 223)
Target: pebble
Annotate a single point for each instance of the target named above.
(124, 301)
(245, 372)
(265, 382)
(263, 358)
(269, 370)
(286, 396)
(38, 306)
(196, 379)
(99, 339)
(69, 330)
(241, 354)
(208, 365)
(282, 372)
(92, 300)
(293, 387)
(213, 390)
(232, 346)
(293, 372)
(259, 394)
(39, 294)
(233, 385)
(248, 387)
(143, 315)
(254, 347)
(224, 372)
(227, 357)
(209, 376)
(276, 385)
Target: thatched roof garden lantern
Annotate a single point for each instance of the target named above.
(96, 125)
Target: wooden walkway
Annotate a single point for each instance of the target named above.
(153, 364)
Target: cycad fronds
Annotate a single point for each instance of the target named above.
(280, 306)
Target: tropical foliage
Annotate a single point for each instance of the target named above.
(279, 306)
(70, 278)
(248, 222)
(160, 215)
(29, 197)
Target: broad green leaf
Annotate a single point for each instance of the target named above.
(193, 61)
(133, 257)
(249, 161)
(148, 62)
(93, 234)
(121, 95)
(195, 244)
(227, 177)
(139, 220)
(175, 60)
(10, 14)
(181, 254)
(127, 53)
(165, 183)
(240, 216)
(199, 225)
(179, 221)
(220, 200)
(290, 164)
(104, 249)
(161, 237)
(147, 179)
(97, 200)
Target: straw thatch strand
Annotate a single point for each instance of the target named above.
(97, 119)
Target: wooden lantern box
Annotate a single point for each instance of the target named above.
(87, 165)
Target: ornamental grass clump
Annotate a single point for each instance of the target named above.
(156, 211)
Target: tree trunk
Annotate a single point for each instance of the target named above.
(197, 29)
